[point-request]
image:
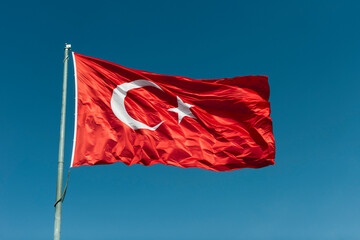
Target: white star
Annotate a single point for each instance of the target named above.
(183, 110)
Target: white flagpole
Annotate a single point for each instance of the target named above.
(58, 203)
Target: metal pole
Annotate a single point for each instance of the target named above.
(57, 223)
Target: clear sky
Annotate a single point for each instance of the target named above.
(309, 49)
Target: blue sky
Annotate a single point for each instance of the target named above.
(310, 51)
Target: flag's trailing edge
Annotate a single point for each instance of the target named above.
(76, 110)
(132, 116)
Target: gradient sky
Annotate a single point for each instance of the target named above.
(309, 49)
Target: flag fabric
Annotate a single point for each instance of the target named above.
(132, 116)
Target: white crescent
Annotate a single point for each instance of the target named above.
(118, 103)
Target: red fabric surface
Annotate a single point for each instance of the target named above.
(226, 125)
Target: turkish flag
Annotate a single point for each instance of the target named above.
(132, 116)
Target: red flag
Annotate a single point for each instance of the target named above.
(134, 116)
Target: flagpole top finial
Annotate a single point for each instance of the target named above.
(67, 46)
